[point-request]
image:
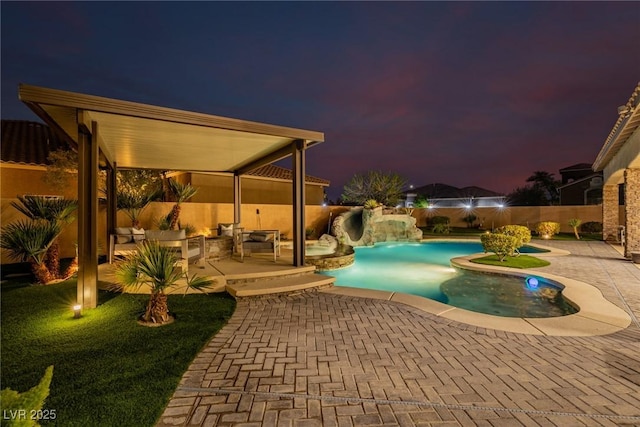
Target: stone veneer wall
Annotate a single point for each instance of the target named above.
(610, 214)
(632, 210)
(218, 248)
(331, 262)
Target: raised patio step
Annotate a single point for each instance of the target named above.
(279, 285)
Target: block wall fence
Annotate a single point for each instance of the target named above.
(206, 216)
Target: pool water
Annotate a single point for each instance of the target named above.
(424, 269)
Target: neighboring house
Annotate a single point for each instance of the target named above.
(580, 185)
(25, 149)
(26, 146)
(443, 195)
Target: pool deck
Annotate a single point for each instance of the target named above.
(337, 357)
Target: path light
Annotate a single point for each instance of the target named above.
(77, 311)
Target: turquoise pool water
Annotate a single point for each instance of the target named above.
(424, 269)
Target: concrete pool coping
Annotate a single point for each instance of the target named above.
(597, 315)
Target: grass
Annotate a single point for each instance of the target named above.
(108, 369)
(522, 261)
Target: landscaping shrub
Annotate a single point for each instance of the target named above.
(25, 409)
(441, 228)
(371, 204)
(438, 219)
(500, 244)
(520, 232)
(547, 228)
(470, 220)
(591, 227)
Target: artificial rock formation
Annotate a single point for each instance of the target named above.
(365, 227)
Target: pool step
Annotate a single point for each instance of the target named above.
(278, 285)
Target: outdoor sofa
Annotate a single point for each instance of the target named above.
(126, 239)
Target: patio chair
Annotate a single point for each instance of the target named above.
(258, 241)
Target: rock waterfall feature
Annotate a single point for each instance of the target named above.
(365, 227)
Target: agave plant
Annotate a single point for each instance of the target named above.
(182, 193)
(29, 241)
(155, 266)
(53, 210)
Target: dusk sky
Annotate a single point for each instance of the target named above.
(461, 93)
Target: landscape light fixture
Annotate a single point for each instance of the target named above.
(77, 311)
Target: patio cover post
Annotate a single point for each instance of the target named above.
(298, 148)
(112, 202)
(87, 292)
(237, 198)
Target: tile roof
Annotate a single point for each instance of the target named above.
(444, 191)
(29, 143)
(278, 172)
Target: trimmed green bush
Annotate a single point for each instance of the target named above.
(591, 227)
(547, 228)
(441, 228)
(500, 244)
(439, 219)
(520, 232)
(24, 409)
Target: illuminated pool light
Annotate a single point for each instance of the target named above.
(532, 282)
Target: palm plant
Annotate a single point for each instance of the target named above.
(29, 241)
(53, 210)
(182, 193)
(575, 223)
(134, 202)
(155, 266)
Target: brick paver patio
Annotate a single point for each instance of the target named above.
(320, 359)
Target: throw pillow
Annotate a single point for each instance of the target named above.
(123, 235)
(138, 234)
(226, 230)
(260, 237)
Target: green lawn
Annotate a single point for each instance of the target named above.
(522, 261)
(108, 369)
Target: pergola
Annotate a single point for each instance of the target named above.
(619, 159)
(112, 134)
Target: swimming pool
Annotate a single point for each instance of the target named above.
(424, 269)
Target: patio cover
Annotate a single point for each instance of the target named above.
(115, 134)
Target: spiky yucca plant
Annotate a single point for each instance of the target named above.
(29, 241)
(182, 193)
(53, 210)
(155, 265)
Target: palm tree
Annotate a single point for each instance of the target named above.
(575, 223)
(545, 181)
(133, 203)
(29, 241)
(155, 265)
(182, 193)
(53, 210)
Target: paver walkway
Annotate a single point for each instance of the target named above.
(320, 359)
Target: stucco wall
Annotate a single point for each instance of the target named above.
(517, 215)
(206, 216)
